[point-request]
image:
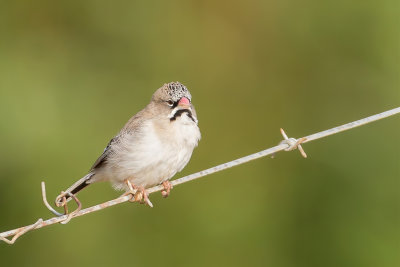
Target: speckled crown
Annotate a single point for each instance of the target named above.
(176, 91)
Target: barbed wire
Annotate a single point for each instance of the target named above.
(287, 144)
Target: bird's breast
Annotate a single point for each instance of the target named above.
(184, 130)
(156, 152)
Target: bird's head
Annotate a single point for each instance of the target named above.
(176, 98)
(173, 94)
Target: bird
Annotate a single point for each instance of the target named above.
(150, 149)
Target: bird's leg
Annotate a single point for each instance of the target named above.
(138, 194)
(167, 188)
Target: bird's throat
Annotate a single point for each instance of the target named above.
(180, 112)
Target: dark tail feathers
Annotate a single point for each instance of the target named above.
(74, 189)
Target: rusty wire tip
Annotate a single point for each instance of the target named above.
(21, 231)
(72, 214)
(61, 199)
(46, 203)
(293, 143)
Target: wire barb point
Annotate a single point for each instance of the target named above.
(46, 203)
(293, 143)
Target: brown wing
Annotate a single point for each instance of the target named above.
(129, 128)
(103, 158)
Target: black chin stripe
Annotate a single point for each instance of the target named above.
(179, 113)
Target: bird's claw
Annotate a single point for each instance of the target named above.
(138, 194)
(167, 188)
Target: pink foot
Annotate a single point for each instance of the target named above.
(139, 194)
(167, 188)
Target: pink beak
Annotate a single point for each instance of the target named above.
(184, 103)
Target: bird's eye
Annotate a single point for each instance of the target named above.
(170, 103)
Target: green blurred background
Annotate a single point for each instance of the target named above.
(73, 72)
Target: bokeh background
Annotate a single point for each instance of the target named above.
(73, 72)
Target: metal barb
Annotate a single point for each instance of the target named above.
(64, 202)
(72, 214)
(293, 143)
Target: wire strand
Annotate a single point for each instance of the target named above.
(270, 151)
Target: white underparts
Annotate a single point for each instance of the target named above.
(152, 155)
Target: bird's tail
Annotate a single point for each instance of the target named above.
(73, 189)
